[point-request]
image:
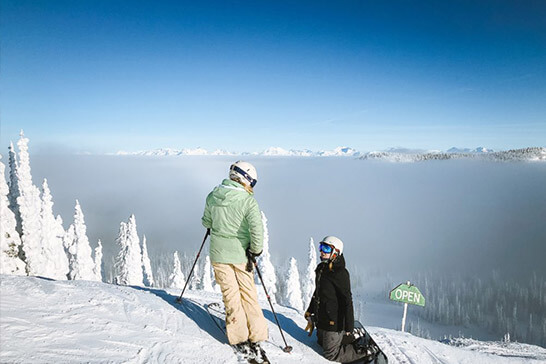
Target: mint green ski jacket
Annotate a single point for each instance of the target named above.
(235, 221)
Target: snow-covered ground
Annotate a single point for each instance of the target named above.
(46, 321)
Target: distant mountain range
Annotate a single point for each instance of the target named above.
(391, 155)
(270, 152)
(513, 155)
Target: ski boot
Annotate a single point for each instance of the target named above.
(243, 348)
(257, 353)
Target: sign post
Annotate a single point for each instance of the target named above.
(404, 317)
(407, 293)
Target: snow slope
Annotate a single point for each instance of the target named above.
(46, 321)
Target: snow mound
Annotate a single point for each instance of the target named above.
(47, 321)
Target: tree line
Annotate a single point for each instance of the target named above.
(34, 242)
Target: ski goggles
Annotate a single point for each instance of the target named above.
(325, 248)
(244, 174)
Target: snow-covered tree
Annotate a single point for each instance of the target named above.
(81, 264)
(109, 268)
(293, 286)
(266, 267)
(14, 188)
(195, 282)
(309, 279)
(147, 265)
(98, 262)
(10, 242)
(29, 205)
(206, 281)
(163, 269)
(52, 239)
(176, 279)
(129, 260)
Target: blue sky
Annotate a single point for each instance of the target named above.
(103, 75)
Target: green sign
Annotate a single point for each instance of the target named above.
(407, 293)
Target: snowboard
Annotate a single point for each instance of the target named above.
(218, 315)
(368, 341)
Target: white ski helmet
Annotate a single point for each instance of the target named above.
(333, 241)
(245, 172)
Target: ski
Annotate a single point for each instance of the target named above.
(366, 341)
(218, 316)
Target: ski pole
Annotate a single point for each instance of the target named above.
(287, 348)
(179, 299)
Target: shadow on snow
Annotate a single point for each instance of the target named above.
(202, 319)
(290, 327)
(192, 310)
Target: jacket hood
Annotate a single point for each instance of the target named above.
(227, 192)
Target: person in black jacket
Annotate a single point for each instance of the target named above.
(331, 307)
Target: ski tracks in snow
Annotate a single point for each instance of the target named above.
(391, 349)
(405, 351)
(434, 357)
(404, 348)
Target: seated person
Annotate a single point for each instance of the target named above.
(331, 307)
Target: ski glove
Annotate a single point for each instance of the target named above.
(347, 338)
(251, 260)
(310, 323)
(252, 256)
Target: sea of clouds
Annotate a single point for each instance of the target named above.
(437, 216)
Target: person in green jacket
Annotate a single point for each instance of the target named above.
(235, 222)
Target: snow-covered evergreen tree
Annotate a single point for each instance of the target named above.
(195, 282)
(163, 269)
(147, 265)
(10, 242)
(266, 267)
(14, 188)
(309, 279)
(98, 262)
(80, 261)
(176, 279)
(119, 265)
(52, 238)
(129, 260)
(110, 270)
(29, 205)
(293, 286)
(206, 281)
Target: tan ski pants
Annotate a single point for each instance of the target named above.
(244, 317)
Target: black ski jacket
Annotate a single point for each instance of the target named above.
(332, 302)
